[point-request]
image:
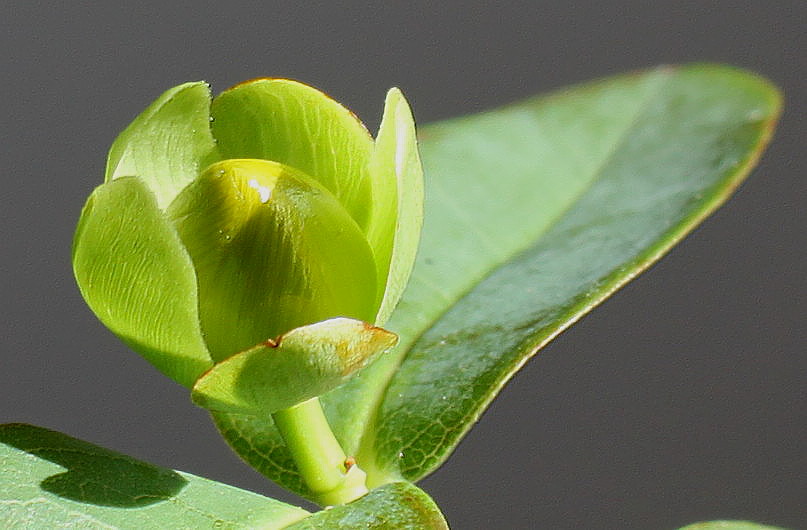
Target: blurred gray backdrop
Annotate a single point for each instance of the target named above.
(680, 399)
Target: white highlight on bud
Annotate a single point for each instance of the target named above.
(263, 191)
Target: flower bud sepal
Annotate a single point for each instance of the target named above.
(299, 365)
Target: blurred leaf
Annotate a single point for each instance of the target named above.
(50, 480)
(398, 505)
(302, 364)
(535, 213)
(123, 239)
(168, 144)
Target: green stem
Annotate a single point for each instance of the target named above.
(319, 457)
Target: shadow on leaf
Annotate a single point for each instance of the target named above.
(94, 475)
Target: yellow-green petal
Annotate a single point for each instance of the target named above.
(297, 125)
(168, 143)
(302, 364)
(397, 215)
(273, 250)
(137, 278)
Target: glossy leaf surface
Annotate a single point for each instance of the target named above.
(628, 188)
(300, 365)
(534, 214)
(398, 505)
(50, 480)
(124, 239)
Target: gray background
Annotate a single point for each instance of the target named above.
(682, 398)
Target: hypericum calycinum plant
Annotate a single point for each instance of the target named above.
(250, 247)
(255, 248)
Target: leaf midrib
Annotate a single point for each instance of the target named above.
(660, 77)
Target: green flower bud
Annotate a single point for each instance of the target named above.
(259, 239)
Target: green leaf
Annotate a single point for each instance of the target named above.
(300, 365)
(397, 201)
(728, 525)
(50, 480)
(397, 505)
(168, 144)
(273, 250)
(266, 118)
(123, 239)
(645, 159)
(535, 213)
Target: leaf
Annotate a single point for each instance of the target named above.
(123, 239)
(302, 364)
(396, 505)
(265, 119)
(728, 525)
(273, 250)
(50, 480)
(397, 171)
(168, 144)
(535, 213)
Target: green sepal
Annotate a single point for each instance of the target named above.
(138, 279)
(297, 125)
(299, 365)
(397, 215)
(168, 144)
(273, 250)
